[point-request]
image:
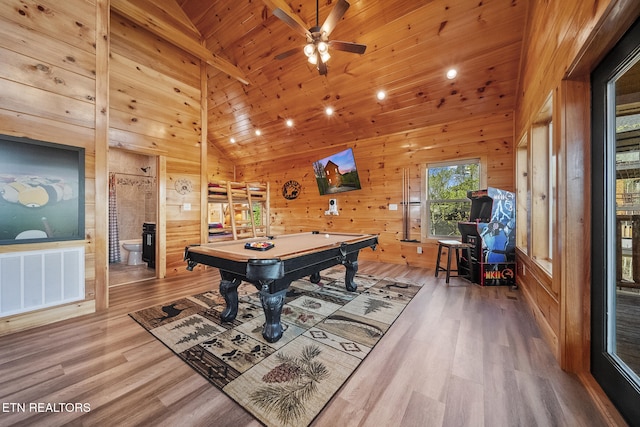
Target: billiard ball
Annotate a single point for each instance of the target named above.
(326, 236)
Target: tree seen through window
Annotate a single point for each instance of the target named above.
(447, 201)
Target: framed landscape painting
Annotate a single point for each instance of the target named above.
(337, 173)
(41, 191)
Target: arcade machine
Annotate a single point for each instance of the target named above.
(491, 230)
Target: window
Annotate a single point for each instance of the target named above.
(446, 195)
(258, 214)
(522, 195)
(543, 191)
(536, 189)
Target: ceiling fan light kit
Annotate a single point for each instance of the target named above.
(309, 50)
(322, 47)
(317, 48)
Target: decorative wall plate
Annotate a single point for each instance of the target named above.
(183, 186)
(291, 190)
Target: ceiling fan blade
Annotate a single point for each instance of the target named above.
(334, 17)
(287, 54)
(284, 13)
(322, 67)
(348, 46)
(292, 22)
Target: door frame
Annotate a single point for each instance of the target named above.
(614, 380)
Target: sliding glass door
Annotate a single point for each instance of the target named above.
(615, 353)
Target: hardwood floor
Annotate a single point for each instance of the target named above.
(461, 355)
(122, 274)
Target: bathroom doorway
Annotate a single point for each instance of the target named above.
(133, 206)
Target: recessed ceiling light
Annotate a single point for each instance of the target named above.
(258, 132)
(328, 111)
(233, 140)
(289, 122)
(381, 95)
(452, 73)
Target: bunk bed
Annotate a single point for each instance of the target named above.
(237, 210)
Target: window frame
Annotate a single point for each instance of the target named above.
(426, 212)
(542, 185)
(523, 195)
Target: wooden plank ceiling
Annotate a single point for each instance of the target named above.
(410, 46)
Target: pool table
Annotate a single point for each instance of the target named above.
(271, 271)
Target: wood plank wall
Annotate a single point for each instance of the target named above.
(48, 92)
(48, 84)
(155, 99)
(564, 41)
(380, 162)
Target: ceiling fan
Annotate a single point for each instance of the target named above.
(318, 43)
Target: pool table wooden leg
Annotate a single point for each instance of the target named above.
(229, 291)
(351, 265)
(272, 306)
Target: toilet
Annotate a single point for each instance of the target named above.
(134, 247)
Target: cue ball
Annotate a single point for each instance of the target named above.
(326, 235)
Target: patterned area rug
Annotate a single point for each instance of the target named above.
(328, 333)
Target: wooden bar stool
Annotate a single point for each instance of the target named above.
(456, 247)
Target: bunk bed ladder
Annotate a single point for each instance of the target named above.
(240, 203)
(249, 211)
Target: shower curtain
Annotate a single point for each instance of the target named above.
(114, 238)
